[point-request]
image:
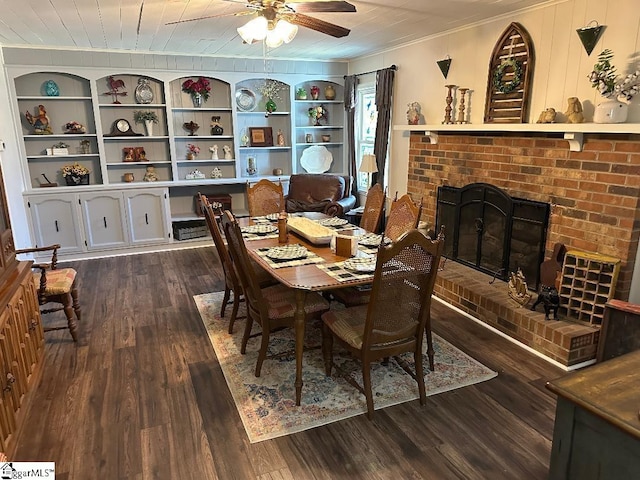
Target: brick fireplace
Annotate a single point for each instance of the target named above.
(594, 196)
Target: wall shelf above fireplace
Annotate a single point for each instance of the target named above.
(573, 132)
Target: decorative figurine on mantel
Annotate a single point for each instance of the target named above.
(214, 152)
(574, 110)
(39, 122)
(227, 152)
(448, 108)
(547, 116)
(414, 113)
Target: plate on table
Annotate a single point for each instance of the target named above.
(261, 229)
(316, 159)
(246, 100)
(371, 240)
(287, 252)
(363, 265)
(272, 216)
(333, 222)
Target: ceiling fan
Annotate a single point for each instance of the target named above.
(291, 11)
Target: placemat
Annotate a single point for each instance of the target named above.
(310, 258)
(254, 236)
(337, 271)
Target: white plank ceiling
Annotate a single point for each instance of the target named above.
(113, 25)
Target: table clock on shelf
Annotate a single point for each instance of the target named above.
(122, 128)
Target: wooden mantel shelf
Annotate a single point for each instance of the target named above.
(573, 132)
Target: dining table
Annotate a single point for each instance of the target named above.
(322, 270)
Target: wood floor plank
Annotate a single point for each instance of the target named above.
(142, 396)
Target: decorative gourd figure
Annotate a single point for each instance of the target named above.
(574, 111)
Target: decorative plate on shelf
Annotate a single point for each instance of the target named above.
(316, 159)
(367, 265)
(261, 229)
(246, 100)
(287, 252)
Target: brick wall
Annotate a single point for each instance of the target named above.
(594, 194)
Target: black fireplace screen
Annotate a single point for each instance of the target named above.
(492, 232)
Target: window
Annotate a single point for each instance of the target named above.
(366, 118)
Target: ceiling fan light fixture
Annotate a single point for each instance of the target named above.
(255, 29)
(286, 30)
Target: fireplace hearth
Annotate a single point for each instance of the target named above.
(492, 232)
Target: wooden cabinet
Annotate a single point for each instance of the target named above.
(597, 434)
(55, 221)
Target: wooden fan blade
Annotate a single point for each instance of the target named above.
(319, 25)
(324, 6)
(236, 14)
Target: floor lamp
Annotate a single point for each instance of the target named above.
(368, 165)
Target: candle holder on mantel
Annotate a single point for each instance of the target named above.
(461, 117)
(448, 108)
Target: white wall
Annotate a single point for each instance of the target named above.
(561, 65)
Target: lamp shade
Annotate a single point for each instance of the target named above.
(368, 164)
(253, 30)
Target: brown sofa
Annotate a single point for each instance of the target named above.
(320, 192)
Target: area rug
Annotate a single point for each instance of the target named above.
(267, 404)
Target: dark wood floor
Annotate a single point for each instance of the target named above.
(142, 396)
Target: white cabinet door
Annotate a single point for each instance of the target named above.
(147, 215)
(104, 220)
(55, 220)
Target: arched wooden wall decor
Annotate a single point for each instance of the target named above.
(510, 77)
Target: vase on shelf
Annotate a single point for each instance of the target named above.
(329, 92)
(251, 166)
(143, 92)
(611, 111)
(77, 179)
(190, 156)
(148, 125)
(270, 106)
(197, 99)
(315, 92)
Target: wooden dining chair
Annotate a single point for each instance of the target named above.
(231, 281)
(398, 315)
(404, 215)
(373, 208)
(56, 286)
(272, 307)
(265, 197)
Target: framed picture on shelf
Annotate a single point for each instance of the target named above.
(261, 136)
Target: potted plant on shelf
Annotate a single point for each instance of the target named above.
(148, 117)
(192, 151)
(75, 174)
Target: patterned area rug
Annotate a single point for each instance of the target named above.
(267, 404)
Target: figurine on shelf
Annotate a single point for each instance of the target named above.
(548, 115)
(280, 138)
(216, 173)
(40, 122)
(227, 152)
(141, 154)
(413, 113)
(216, 128)
(191, 127)
(150, 175)
(114, 89)
(214, 152)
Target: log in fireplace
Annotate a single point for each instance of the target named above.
(490, 231)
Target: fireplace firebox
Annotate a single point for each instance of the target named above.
(490, 231)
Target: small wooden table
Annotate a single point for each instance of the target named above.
(597, 428)
(303, 279)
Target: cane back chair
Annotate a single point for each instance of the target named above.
(272, 307)
(373, 208)
(265, 197)
(404, 215)
(398, 315)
